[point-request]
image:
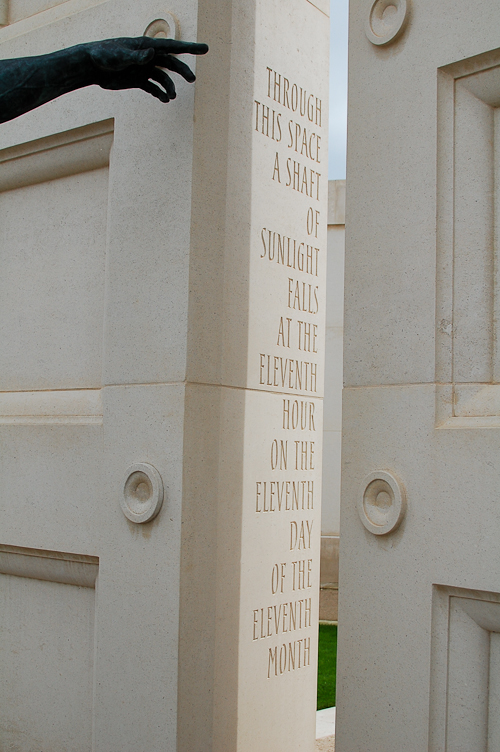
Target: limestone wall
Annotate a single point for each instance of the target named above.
(332, 428)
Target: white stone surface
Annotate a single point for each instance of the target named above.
(387, 20)
(325, 722)
(19, 9)
(414, 252)
(51, 333)
(332, 432)
(327, 744)
(381, 502)
(49, 630)
(99, 261)
(160, 333)
(244, 299)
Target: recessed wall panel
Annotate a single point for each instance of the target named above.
(52, 250)
(465, 671)
(468, 290)
(46, 665)
(19, 9)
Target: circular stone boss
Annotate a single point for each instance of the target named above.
(381, 503)
(387, 20)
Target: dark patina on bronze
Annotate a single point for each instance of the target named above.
(124, 63)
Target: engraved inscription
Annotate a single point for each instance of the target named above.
(288, 373)
(298, 414)
(281, 618)
(289, 252)
(289, 656)
(300, 534)
(293, 97)
(284, 496)
(287, 123)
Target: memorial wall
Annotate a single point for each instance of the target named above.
(290, 280)
(163, 317)
(270, 364)
(419, 589)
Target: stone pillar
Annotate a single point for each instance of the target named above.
(419, 558)
(332, 426)
(162, 333)
(251, 503)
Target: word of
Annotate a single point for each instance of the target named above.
(312, 221)
(277, 579)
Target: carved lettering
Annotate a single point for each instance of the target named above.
(302, 179)
(300, 534)
(290, 118)
(282, 618)
(293, 97)
(283, 495)
(304, 142)
(301, 574)
(289, 252)
(289, 657)
(288, 373)
(284, 332)
(279, 455)
(308, 334)
(313, 222)
(298, 414)
(302, 296)
(278, 578)
(276, 170)
(304, 455)
(267, 121)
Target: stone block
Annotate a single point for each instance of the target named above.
(163, 313)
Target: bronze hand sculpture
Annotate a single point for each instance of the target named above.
(125, 63)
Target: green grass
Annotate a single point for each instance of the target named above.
(327, 665)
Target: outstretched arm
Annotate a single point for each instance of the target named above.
(126, 63)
